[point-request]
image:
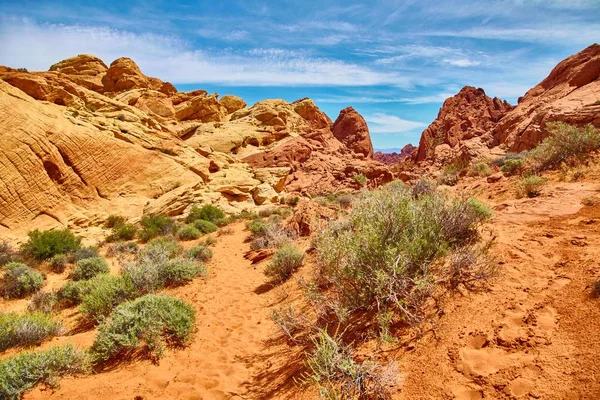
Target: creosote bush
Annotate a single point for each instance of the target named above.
(122, 232)
(391, 258)
(103, 293)
(26, 330)
(22, 372)
(88, 268)
(207, 212)
(200, 253)
(188, 232)
(20, 281)
(155, 225)
(151, 320)
(114, 220)
(565, 144)
(43, 245)
(284, 263)
(530, 186)
(205, 226)
(122, 248)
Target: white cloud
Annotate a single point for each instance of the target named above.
(385, 123)
(437, 54)
(171, 59)
(427, 99)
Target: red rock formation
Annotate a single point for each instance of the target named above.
(468, 114)
(85, 70)
(569, 94)
(394, 158)
(351, 129)
(124, 74)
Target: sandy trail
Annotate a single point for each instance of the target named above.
(232, 321)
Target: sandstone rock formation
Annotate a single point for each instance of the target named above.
(85, 70)
(570, 94)
(467, 115)
(124, 74)
(351, 129)
(393, 158)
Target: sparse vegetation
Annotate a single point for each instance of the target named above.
(155, 225)
(207, 212)
(100, 295)
(26, 330)
(7, 253)
(58, 263)
(284, 263)
(151, 320)
(114, 220)
(566, 144)
(205, 226)
(449, 176)
(530, 186)
(288, 320)
(122, 248)
(20, 281)
(267, 234)
(200, 253)
(43, 302)
(360, 179)
(480, 169)
(43, 245)
(88, 268)
(84, 252)
(122, 232)
(24, 371)
(188, 232)
(423, 187)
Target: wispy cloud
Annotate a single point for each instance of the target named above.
(415, 100)
(385, 123)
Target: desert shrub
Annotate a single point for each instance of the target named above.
(267, 234)
(530, 186)
(155, 225)
(42, 245)
(211, 241)
(123, 248)
(337, 375)
(292, 201)
(288, 320)
(284, 263)
(360, 179)
(43, 302)
(565, 144)
(58, 263)
(200, 253)
(180, 271)
(266, 212)
(73, 291)
(510, 167)
(7, 253)
(88, 268)
(26, 330)
(188, 232)
(103, 293)
(207, 212)
(345, 200)
(449, 177)
(392, 254)
(480, 169)
(166, 245)
(205, 226)
(114, 220)
(84, 252)
(25, 370)
(20, 281)
(122, 232)
(423, 187)
(151, 320)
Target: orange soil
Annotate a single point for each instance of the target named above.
(532, 334)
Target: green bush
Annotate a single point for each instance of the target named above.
(114, 220)
(122, 232)
(85, 252)
(530, 186)
(512, 166)
(284, 263)
(211, 241)
(480, 169)
(207, 212)
(103, 293)
(88, 268)
(73, 291)
(42, 245)
(205, 226)
(392, 253)
(180, 271)
(200, 253)
(43, 302)
(267, 234)
(27, 329)
(360, 179)
(166, 245)
(155, 225)
(566, 144)
(423, 187)
(20, 281)
(151, 320)
(27, 369)
(58, 263)
(188, 232)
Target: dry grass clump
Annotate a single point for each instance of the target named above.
(286, 260)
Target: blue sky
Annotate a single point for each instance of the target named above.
(394, 61)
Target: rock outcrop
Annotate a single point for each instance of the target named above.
(393, 158)
(571, 94)
(85, 70)
(124, 74)
(351, 129)
(467, 115)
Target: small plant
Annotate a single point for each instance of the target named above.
(83, 253)
(151, 320)
(114, 220)
(43, 302)
(166, 245)
(423, 187)
(100, 295)
(200, 253)
(210, 241)
(20, 281)
(155, 225)
(345, 200)
(122, 232)
(288, 321)
(207, 212)
(123, 248)
(480, 169)
(292, 201)
(7, 253)
(205, 226)
(268, 234)
(58, 263)
(360, 179)
(511, 166)
(25, 370)
(26, 330)
(43, 245)
(449, 177)
(180, 271)
(188, 232)
(88, 268)
(530, 186)
(284, 263)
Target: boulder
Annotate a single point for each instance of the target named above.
(351, 129)
(232, 103)
(85, 70)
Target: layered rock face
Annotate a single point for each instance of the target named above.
(351, 129)
(467, 115)
(83, 140)
(569, 94)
